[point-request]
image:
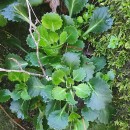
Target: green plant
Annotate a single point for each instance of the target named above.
(56, 80)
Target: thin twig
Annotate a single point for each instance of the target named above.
(21, 71)
(11, 118)
(36, 42)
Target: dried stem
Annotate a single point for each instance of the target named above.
(21, 71)
(32, 27)
(11, 118)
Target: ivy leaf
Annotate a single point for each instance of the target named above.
(79, 74)
(99, 62)
(58, 120)
(70, 99)
(10, 62)
(59, 93)
(75, 6)
(72, 34)
(20, 108)
(4, 95)
(3, 21)
(89, 70)
(16, 76)
(30, 42)
(36, 88)
(52, 21)
(82, 90)
(81, 125)
(58, 77)
(100, 21)
(71, 59)
(89, 114)
(101, 95)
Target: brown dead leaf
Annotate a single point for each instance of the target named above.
(53, 4)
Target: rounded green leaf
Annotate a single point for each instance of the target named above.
(52, 21)
(79, 74)
(72, 34)
(82, 90)
(59, 93)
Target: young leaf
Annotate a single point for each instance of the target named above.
(4, 95)
(82, 90)
(11, 62)
(16, 76)
(100, 21)
(89, 114)
(79, 74)
(73, 117)
(72, 34)
(52, 21)
(58, 77)
(75, 6)
(71, 59)
(101, 95)
(59, 93)
(58, 120)
(20, 108)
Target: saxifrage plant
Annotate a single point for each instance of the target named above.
(70, 92)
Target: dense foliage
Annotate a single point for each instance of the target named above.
(58, 80)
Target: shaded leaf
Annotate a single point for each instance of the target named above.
(71, 59)
(20, 108)
(58, 120)
(3, 21)
(101, 95)
(4, 95)
(10, 62)
(89, 114)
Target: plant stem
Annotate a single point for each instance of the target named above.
(63, 109)
(11, 118)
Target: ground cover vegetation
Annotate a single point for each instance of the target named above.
(66, 67)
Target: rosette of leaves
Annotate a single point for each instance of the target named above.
(70, 96)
